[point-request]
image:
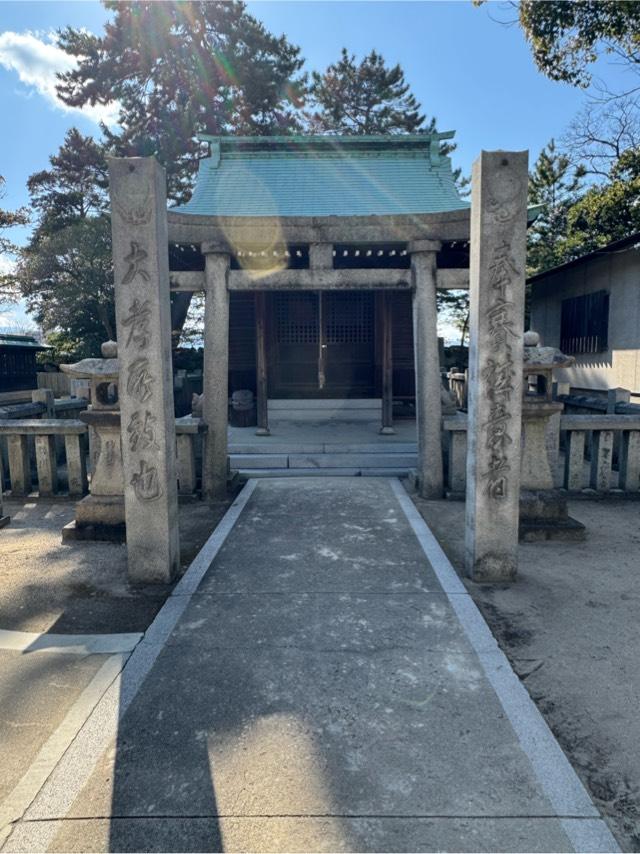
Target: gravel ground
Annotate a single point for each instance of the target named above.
(569, 626)
(81, 587)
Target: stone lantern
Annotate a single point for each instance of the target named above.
(100, 516)
(543, 508)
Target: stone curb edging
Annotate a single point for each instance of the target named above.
(64, 764)
(581, 821)
(107, 644)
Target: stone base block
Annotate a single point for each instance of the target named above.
(98, 517)
(103, 533)
(548, 504)
(100, 510)
(544, 516)
(536, 530)
(4, 521)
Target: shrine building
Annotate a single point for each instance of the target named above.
(320, 257)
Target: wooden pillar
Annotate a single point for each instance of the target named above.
(427, 368)
(215, 407)
(262, 403)
(387, 364)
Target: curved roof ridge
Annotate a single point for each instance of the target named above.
(323, 175)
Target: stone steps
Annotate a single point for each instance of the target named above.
(338, 472)
(326, 410)
(349, 461)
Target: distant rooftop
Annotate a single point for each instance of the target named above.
(310, 176)
(11, 339)
(626, 243)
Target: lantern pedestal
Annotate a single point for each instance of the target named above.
(100, 515)
(543, 508)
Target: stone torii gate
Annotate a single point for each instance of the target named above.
(141, 232)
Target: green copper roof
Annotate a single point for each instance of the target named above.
(324, 176)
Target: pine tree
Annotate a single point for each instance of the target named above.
(9, 291)
(607, 212)
(176, 69)
(64, 273)
(74, 187)
(363, 98)
(555, 184)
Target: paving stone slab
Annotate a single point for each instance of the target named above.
(386, 472)
(258, 461)
(337, 460)
(326, 535)
(313, 696)
(322, 834)
(329, 622)
(273, 445)
(297, 732)
(385, 444)
(272, 472)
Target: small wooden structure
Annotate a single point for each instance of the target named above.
(319, 258)
(18, 362)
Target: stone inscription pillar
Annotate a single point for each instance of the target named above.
(497, 285)
(215, 407)
(141, 273)
(427, 368)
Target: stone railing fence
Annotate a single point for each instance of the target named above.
(43, 405)
(585, 464)
(30, 448)
(44, 432)
(189, 437)
(457, 382)
(63, 407)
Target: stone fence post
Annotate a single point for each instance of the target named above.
(141, 273)
(497, 286)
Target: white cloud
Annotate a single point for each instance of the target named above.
(36, 62)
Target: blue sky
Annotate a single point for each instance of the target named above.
(476, 75)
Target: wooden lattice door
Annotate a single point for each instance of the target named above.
(322, 344)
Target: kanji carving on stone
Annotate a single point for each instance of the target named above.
(140, 380)
(142, 431)
(502, 269)
(135, 259)
(145, 482)
(499, 372)
(500, 323)
(138, 323)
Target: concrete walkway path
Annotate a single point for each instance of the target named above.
(326, 684)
